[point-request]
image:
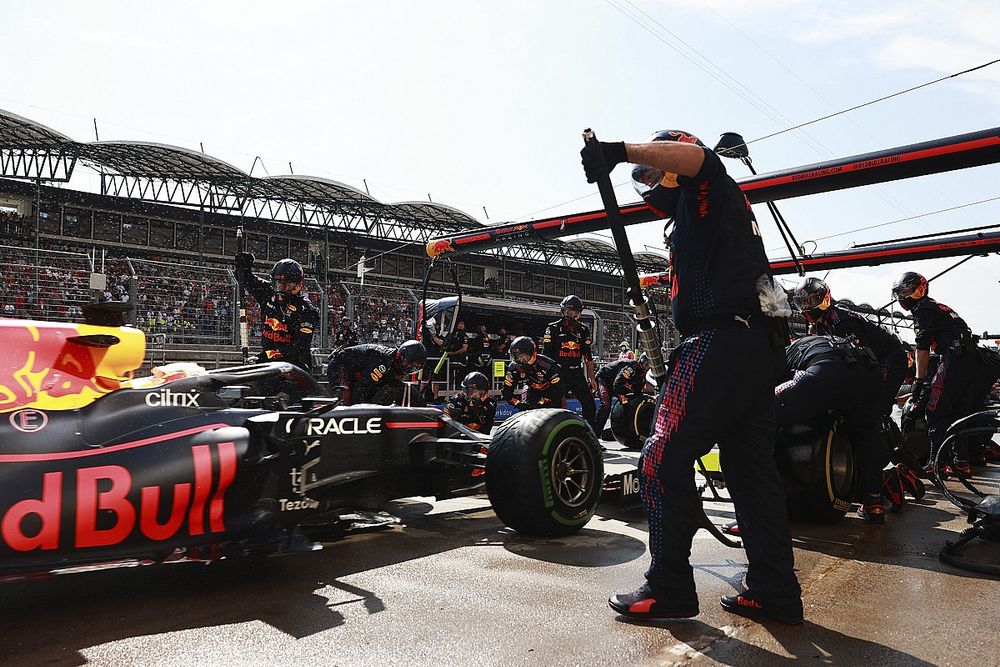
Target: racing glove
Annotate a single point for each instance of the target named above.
(918, 398)
(244, 260)
(599, 158)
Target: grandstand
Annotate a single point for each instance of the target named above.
(161, 234)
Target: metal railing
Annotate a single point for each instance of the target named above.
(381, 314)
(44, 284)
(613, 327)
(188, 304)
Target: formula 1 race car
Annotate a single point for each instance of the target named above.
(100, 469)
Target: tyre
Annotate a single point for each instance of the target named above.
(818, 466)
(544, 472)
(630, 423)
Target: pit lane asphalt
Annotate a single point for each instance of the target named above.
(455, 587)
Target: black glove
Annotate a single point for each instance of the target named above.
(244, 260)
(601, 157)
(918, 398)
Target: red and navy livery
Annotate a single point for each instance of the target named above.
(192, 468)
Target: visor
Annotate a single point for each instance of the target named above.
(904, 291)
(280, 284)
(806, 301)
(522, 357)
(645, 178)
(572, 313)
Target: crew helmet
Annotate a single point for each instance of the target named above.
(476, 382)
(574, 304)
(659, 188)
(412, 354)
(287, 276)
(523, 350)
(812, 296)
(910, 289)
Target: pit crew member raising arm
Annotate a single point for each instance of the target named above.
(288, 318)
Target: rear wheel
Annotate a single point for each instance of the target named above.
(630, 422)
(544, 472)
(817, 464)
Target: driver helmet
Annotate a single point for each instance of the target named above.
(523, 351)
(644, 360)
(812, 296)
(659, 188)
(910, 289)
(287, 276)
(476, 385)
(412, 354)
(572, 307)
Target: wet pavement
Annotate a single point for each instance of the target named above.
(454, 587)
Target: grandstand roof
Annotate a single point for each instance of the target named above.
(19, 132)
(651, 257)
(312, 189)
(31, 150)
(163, 161)
(175, 175)
(593, 244)
(437, 213)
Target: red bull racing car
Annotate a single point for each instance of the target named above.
(98, 468)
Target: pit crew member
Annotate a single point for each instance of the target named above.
(539, 375)
(720, 388)
(624, 379)
(473, 406)
(288, 318)
(567, 340)
(361, 371)
(964, 376)
(814, 299)
(827, 373)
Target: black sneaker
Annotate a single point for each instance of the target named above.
(872, 513)
(747, 605)
(641, 603)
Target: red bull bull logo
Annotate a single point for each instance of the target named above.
(49, 366)
(274, 324)
(438, 247)
(654, 280)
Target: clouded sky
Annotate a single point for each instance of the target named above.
(482, 104)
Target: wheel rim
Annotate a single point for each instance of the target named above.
(572, 471)
(841, 466)
(643, 420)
